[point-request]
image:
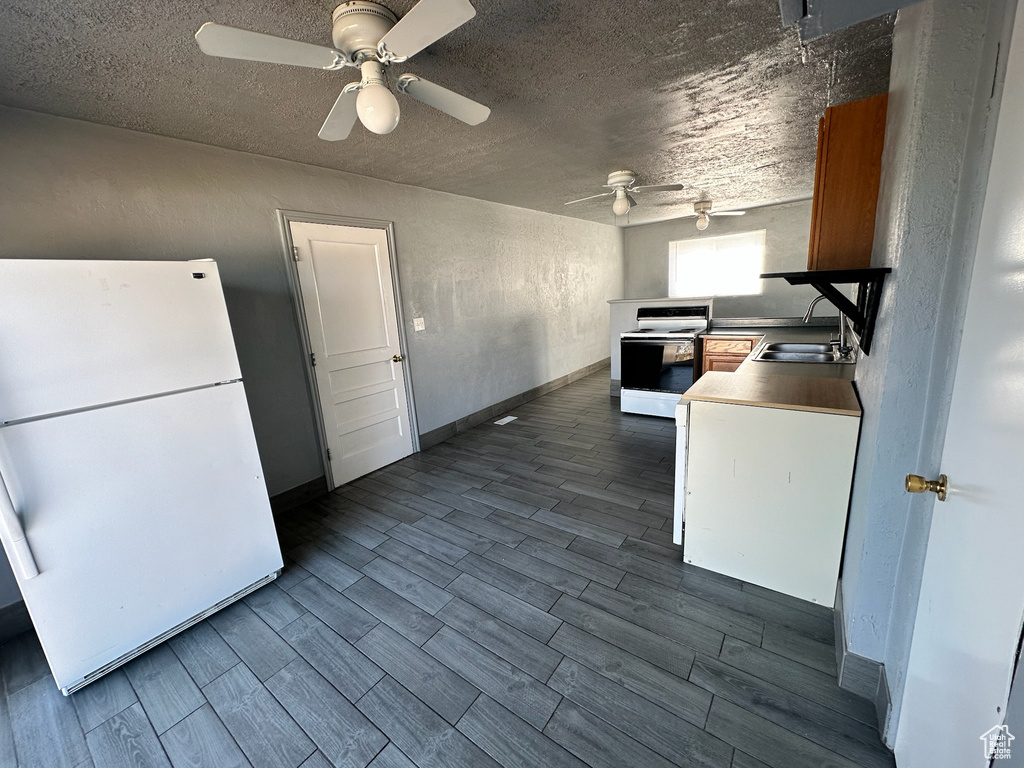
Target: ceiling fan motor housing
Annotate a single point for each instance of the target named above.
(620, 179)
(358, 27)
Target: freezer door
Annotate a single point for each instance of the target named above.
(139, 517)
(75, 334)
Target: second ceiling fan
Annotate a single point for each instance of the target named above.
(370, 38)
(702, 210)
(620, 184)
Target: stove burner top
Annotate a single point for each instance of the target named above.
(662, 331)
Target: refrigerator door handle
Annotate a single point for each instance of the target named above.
(13, 536)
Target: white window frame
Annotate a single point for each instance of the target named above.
(723, 265)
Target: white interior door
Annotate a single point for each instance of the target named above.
(972, 594)
(352, 319)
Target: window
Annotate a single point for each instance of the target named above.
(729, 265)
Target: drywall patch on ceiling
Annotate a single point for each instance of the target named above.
(714, 95)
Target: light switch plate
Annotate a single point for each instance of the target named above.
(418, 324)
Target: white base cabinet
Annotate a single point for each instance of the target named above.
(766, 493)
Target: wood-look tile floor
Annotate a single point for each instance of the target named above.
(510, 597)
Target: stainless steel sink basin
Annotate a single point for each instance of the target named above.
(796, 357)
(794, 346)
(800, 352)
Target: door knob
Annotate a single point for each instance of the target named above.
(918, 484)
(397, 358)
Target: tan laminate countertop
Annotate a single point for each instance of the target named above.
(797, 393)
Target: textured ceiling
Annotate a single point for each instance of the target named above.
(712, 94)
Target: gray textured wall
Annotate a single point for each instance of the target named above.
(938, 146)
(788, 231)
(512, 298)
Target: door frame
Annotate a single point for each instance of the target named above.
(285, 219)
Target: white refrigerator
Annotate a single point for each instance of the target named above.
(132, 499)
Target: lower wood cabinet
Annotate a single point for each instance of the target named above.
(725, 353)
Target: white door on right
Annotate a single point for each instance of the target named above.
(352, 320)
(972, 593)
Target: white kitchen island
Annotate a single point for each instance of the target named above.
(763, 476)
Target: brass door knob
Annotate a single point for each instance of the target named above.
(397, 358)
(918, 484)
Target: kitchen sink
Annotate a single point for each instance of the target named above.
(800, 352)
(796, 357)
(794, 346)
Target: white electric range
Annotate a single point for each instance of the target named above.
(658, 357)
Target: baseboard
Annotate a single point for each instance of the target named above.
(300, 494)
(14, 620)
(616, 388)
(442, 433)
(858, 674)
(439, 435)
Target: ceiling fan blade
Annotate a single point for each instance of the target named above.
(592, 197)
(727, 213)
(632, 203)
(427, 22)
(341, 118)
(658, 188)
(231, 43)
(449, 102)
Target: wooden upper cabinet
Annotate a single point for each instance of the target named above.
(847, 172)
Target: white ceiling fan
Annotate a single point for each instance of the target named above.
(620, 184)
(702, 210)
(370, 38)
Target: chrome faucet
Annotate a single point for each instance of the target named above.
(842, 349)
(810, 308)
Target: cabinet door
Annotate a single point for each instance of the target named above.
(726, 353)
(846, 181)
(730, 345)
(766, 495)
(726, 363)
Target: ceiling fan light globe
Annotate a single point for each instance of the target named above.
(620, 206)
(702, 221)
(377, 108)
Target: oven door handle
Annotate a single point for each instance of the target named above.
(659, 342)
